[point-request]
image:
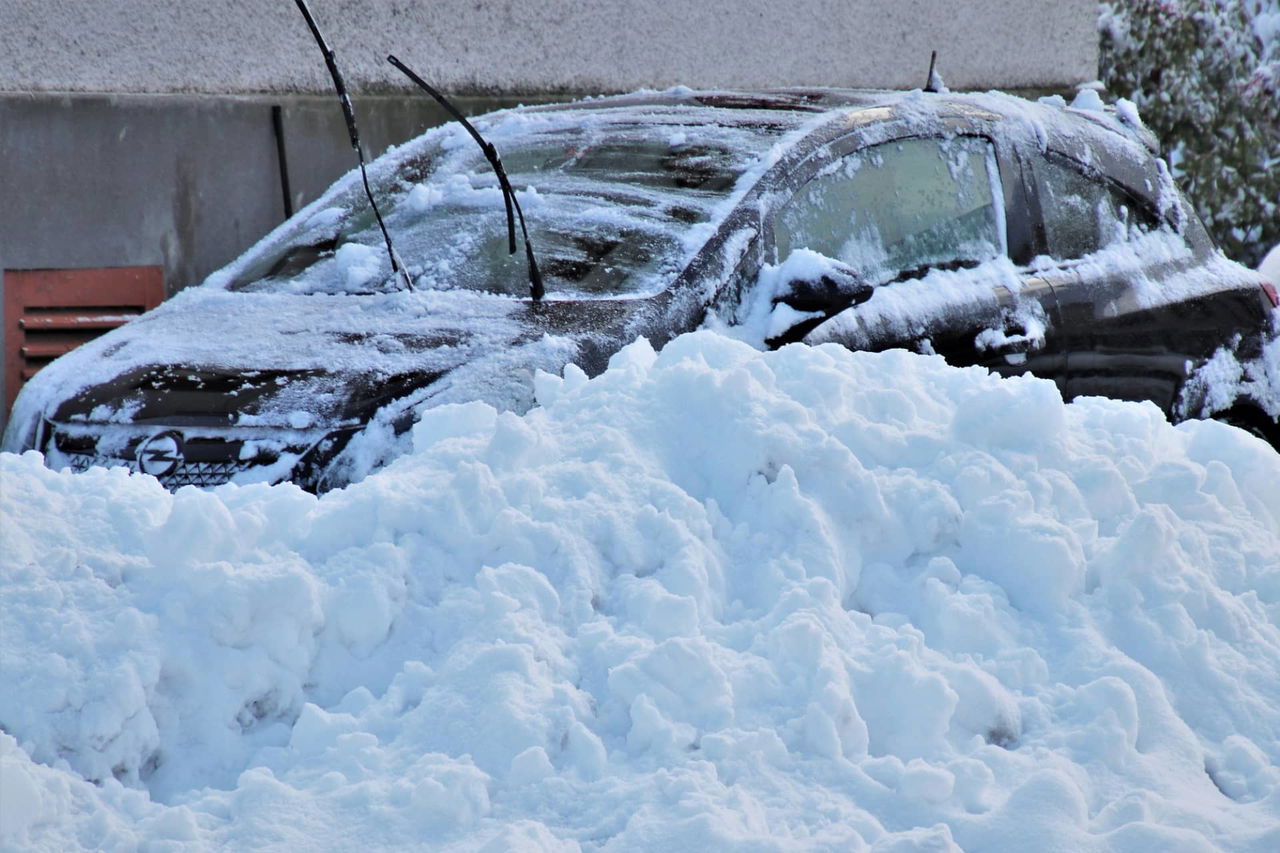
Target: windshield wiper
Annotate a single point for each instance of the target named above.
(348, 112)
(491, 154)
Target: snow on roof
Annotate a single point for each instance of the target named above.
(713, 598)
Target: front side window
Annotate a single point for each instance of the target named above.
(1082, 214)
(897, 209)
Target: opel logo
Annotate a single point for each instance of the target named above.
(161, 454)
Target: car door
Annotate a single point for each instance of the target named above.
(939, 225)
(1141, 309)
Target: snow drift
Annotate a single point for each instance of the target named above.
(714, 598)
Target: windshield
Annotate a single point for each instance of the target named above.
(609, 207)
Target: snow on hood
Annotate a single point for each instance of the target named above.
(319, 347)
(713, 598)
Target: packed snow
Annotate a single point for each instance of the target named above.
(1270, 265)
(713, 598)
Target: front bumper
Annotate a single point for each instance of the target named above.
(185, 456)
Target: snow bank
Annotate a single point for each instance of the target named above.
(712, 599)
(1270, 265)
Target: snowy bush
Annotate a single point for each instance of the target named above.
(1206, 75)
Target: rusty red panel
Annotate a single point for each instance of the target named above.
(48, 312)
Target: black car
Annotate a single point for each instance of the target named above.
(995, 231)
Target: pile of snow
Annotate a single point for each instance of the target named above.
(1270, 265)
(712, 599)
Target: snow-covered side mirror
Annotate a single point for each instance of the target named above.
(791, 298)
(829, 289)
(807, 289)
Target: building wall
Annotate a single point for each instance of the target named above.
(220, 46)
(185, 182)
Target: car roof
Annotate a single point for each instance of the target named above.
(800, 99)
(1102, 124)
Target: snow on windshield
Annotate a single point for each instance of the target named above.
(712, 599)
(608, 200)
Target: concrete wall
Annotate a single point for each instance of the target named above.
(549, 45)
(185, 182)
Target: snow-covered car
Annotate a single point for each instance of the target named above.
(995, 231)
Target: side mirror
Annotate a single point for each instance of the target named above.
(810, 289)
(828, 290)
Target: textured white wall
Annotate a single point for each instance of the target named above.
(221, 46)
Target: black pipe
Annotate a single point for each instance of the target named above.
(282, 159)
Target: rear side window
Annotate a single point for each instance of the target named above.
(1083, 214)
(896, 209)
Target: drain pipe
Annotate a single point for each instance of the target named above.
(282, 159)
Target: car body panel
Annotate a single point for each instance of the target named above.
(1121, 315)
(1144, 314)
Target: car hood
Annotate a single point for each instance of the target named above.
(200, 396)
(262, 360)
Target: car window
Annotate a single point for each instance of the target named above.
(899, 208)
(609, 208)
(1083, 214)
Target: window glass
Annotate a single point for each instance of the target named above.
(1082, 215)
(900, 208)
(608, 206)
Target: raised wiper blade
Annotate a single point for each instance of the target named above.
(536, 289)
(397, 268)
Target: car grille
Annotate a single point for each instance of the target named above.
(203, 474)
